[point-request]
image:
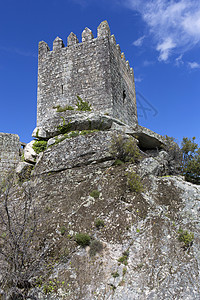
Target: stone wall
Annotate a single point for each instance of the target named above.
(9, 153)
(94, 69)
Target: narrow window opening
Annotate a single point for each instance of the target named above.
(124, 95)
(62, 89)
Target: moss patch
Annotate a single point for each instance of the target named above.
(39, 146)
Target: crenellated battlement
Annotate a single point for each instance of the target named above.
(103, 31)
(95, 69)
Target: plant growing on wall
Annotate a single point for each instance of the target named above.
(82, 105)
(124, 149)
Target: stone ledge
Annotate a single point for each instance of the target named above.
(90, 121)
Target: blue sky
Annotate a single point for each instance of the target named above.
(160, 39)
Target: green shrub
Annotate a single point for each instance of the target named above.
(52, 286)
(62, 129)
(175, 155)
(95, 247)
(95, 194)
(191, 160)
(82, 105)
(186, 237)
(39, 146)
(65, 108)
(124, 271)
(99, 223)
(62, 230)
(123, 259)
(115, 274)
(134, 182)
(82, 239)
(118, 162)
(124, 149)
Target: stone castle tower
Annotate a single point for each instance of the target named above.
(94, 69)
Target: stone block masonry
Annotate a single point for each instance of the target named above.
(94, 69)
(9, 153)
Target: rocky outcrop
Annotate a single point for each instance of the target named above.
(29, 153)
(144, 242)
(23, 170)
(142, 255)
(70, 121)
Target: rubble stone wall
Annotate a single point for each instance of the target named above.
(9, 153)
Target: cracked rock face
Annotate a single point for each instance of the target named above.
(141, 254)
(145, 226)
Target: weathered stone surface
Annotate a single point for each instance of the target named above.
(148, 139)
(145, 225)
(23, 170)
(76, 151)
(94, 69)
(91, 120)
(157, 166)
(75, 121)
(9, 153)
(29, 153)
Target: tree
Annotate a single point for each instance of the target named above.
(191, 160)
(175, 159)
(22, 250)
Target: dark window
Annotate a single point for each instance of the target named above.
(62, 89)
(124, 95)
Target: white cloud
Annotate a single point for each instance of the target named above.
(138, 79)
(165, 48)
(139, 41)
(194, 65)
(147, 63)
(179, 61)
(173, 24)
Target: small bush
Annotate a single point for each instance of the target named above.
(134, 182)
(64, 128)
(123, 259)
(175, 154)
(115, 274)
(124, 271)
(82, 239)
(99, 223)
(186, 237)
(123, 149)
(39, 146)
(95, 247)
(63, 230)
(191, 160)
(95, 194)
(52, 286)
(82, 105)
(118, 162)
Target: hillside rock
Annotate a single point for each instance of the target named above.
(29, 154)
(142, 257)
(138, 253)
(70, 121)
